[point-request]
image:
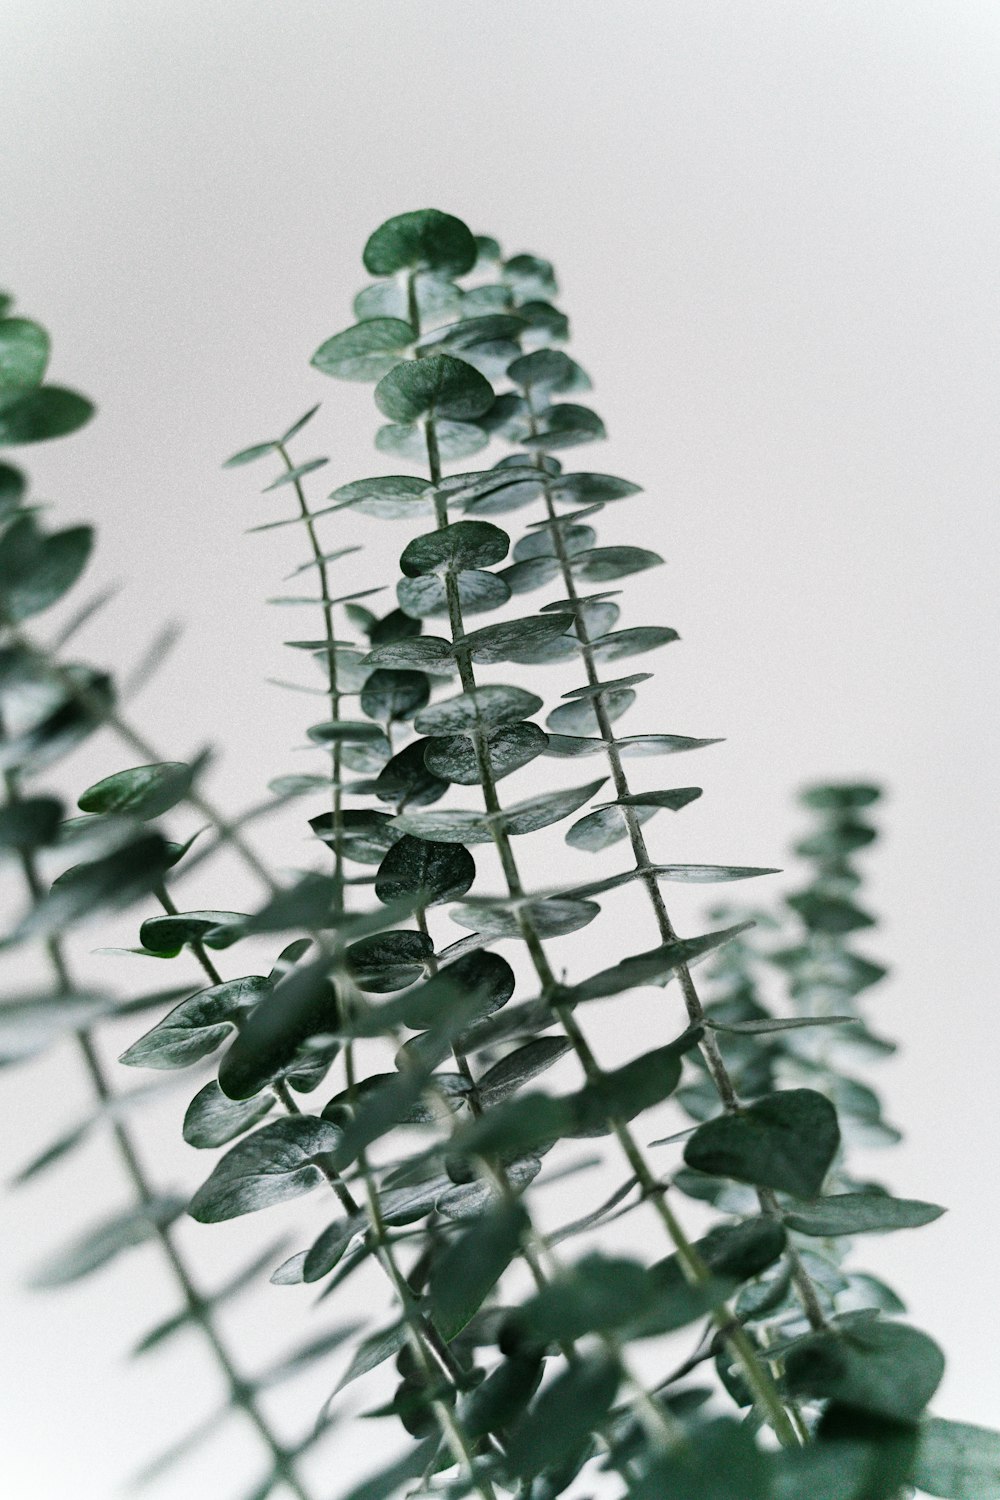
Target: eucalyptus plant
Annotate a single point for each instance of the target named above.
(396, 1067)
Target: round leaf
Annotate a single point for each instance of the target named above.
(142, 792)
(424, 240)
(438, 386)
(786, 1141)
(451, 549)
(44, 413)
(367, 351)
(432, 872)
(454, 758)
(24, 354)
(484, 707)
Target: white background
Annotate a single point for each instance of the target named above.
(776, 226)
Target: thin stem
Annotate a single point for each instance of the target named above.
(696, 1014)
(240, 1392)
(758, 1377)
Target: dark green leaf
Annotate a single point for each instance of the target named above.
(367, 351)
(552, 916)
(214, 1120)
(958, 1461)
(785, 1141)
(888, 1369)
(464, 1275)
(431, 872)
(519, 1067)
(326, 1253)
(44, 413)
(503, 1395)
(564, 426)
(37, 569)
(364, 836)
(198, 1026)
(563, 1416)
(302, 1006)
(599, 830)
(30, 824)
(843, 797)
(629, 1090)
(452, 826)
(142, 792)
(437, 386)
(454, 758)
(250, 455)
(478, 591)
(655, 966)
(168, 935)
(513, 639)
(113, 882)
(24, 355)
(483, 707)
(344, 731)
(391, 695)
(389, 960)
(407, 781)
(277, 1162)
(486, 978)
(424, 240)
(372, 1352)
(860, 1213)
(454, 548)
(547, 370)
(718, 1461)
(830, 914)
(430, 651)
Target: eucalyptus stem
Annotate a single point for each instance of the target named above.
(758, 1378)
(695, 1010)
(197, 1306)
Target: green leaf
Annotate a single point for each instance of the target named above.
(430, 651)
(626, 1092)
(478, 591)
(519, 1067)
(775, 1024)
(24, 355)
(631, 642)
(550, 917)
(406, 780)
(436, 386)
(106, 1241)
(599, 830)
(717, 1461)
(579, 717)
(326, 1252)
(601, 564)
(655, 966)
(390, 1102)
(829, 914)
(365, 836)
(786, 1141)
(344, 731)
(454, 548)
(585, 489)
(431, 872)
(513, 640)
(30, 824)
(485, 978)
(198, 1026)
(530, 276)
(484, 707)
(548, 370)
(372, 1352)
(454, 759)
(304, 1005)
(957, 1460)
(37, 569)
(112, 882)
(860, 1213)
(142, 792)
(388, 496)
(391, 695)
(367, 351)
(564, 426)
(465, 1274)
(389, 960)
(563, 1416)
(277, 1162)
(842, 797)
(168, 935)
(455, 440)
(739, 1251)
(214, 1120)
(45, 413)
(549, 807)
(501, 1398)
(250, 455)
(887, 1369)
(546, 324)
(424, 240)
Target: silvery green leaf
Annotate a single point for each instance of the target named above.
(277, 1162)
(601, 564)
(485, 707)
(438, 386)
(213, 1120)
(198, 1026)
(388, 496)
(512, 639)
(860, 1213)
(367, 351)
(578, 717)
(478, 591)
(453, 757)
(455, 440)
(424, 240)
